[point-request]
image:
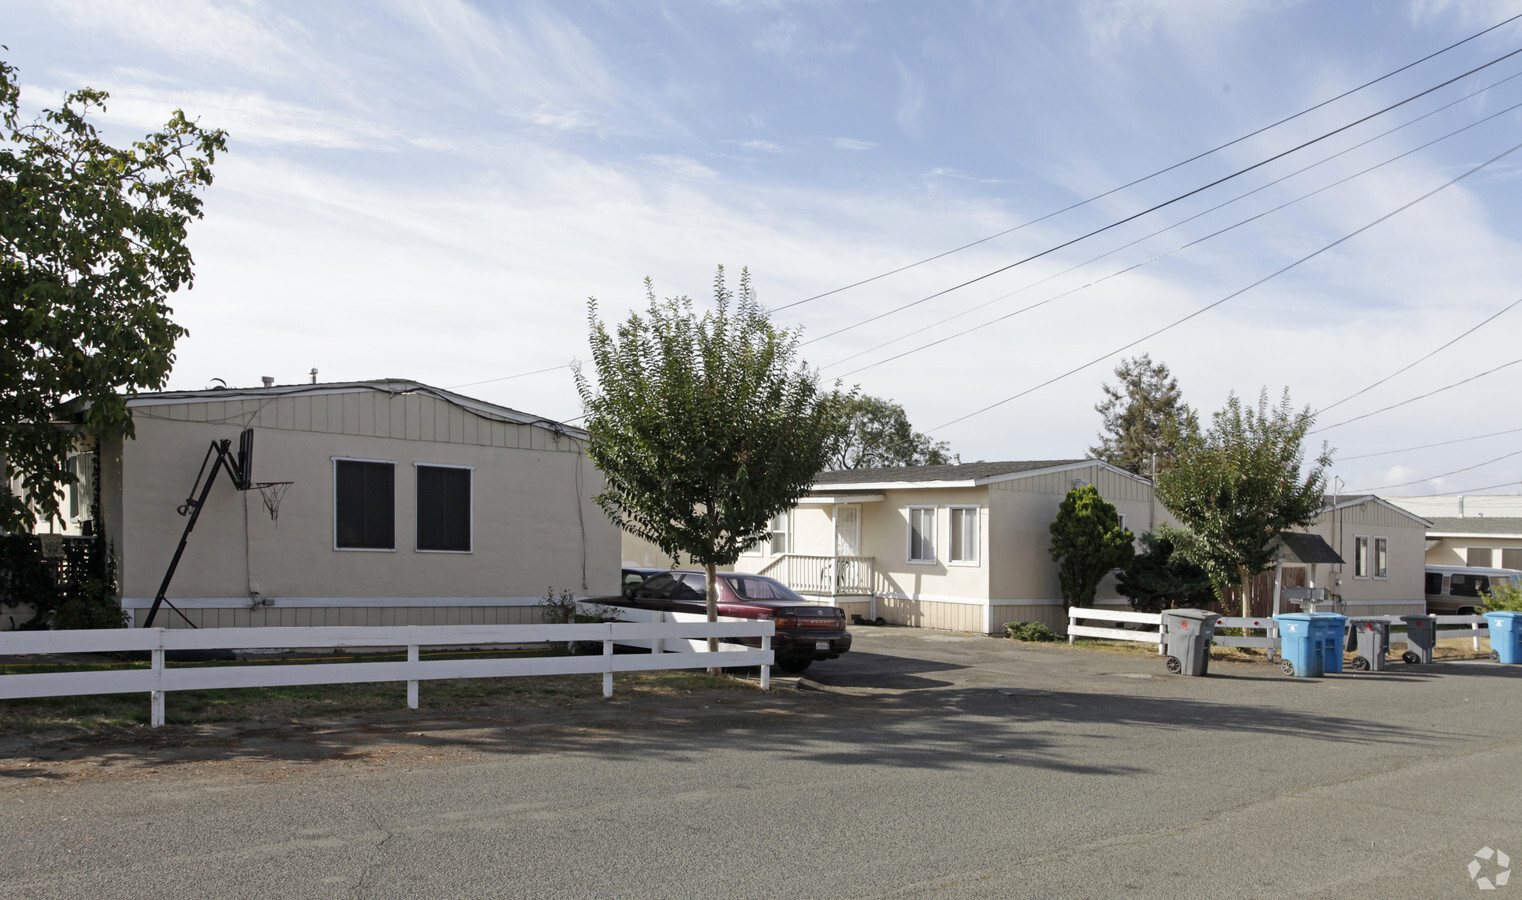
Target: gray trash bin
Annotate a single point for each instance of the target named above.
(1371, 638)
(1421, 637)
(1189, 632)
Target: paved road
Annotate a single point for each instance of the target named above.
(930, 766)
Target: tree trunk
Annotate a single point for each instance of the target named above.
(1246, 591)
(713, 611)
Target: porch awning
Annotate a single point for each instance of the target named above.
(1306, 549)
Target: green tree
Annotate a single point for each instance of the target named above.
(876, 434)
(1136, 415)
(1088, 543)
(1236, 486)
(1158, 578)
(1504, 597)
(703, 426)
(92, 243)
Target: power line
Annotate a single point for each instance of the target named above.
(1167, 228)
(1422, 359)
(1486, 487)
(1430, 446)
(1166, 203)
(507, 377)
(1421, 396)
(1444, 475)
(1164, 171)
(1244, 290)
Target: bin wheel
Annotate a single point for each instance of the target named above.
(1495, 656)
(1174, 665)
(1410, 658)
(1360, 663)
(1287, 666)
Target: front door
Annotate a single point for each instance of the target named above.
(848, 530)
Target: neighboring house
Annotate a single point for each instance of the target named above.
(961, 547)
(410, 505)
(1383, 560)
(1471, 530)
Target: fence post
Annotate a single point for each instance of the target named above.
(766, 671)
(156, 698)
(607, 675)
(412, 657)
(658, 645)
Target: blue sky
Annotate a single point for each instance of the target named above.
(432, 189)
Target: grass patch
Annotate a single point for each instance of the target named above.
(281, 704)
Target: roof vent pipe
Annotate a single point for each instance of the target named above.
(269, 380)
(314, 374)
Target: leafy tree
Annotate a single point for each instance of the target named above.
(1158, 578)
(1136, 415)
(1237, 485)
(92, 243)
(702, 425)
(876, 434)
(1088, 543)
(1504, 597)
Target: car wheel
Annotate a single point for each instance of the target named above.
(793, 665)
(1466, 611)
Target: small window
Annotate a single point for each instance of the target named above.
(1381, 557)
(1434, 584)
(780, 535)
(922, 534)
(364, 505)
(1360, 557)
(964, 536)
(82, 467)
(443, 508)
(1480, 557)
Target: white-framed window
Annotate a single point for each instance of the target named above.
(781, 534)
(444, 508)
(1361, 556)
(82, 467)
(962, 548)
(921, 534)
(1381, 557)
(364, 504)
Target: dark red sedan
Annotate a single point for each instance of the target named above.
(805, 631)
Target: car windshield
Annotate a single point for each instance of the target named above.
(756, 587)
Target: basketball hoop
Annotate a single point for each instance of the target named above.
(272, 493)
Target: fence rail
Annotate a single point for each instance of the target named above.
(158, 679)
(1269, 640)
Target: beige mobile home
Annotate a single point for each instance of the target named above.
(1383, 548)
(1482, 530)
(959, 547)
(408, 505)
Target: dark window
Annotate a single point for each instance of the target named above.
(1434, 583)
(443, 508)
(364, 504)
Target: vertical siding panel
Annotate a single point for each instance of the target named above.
(319, 412)
(367, 403)
(382, 415)
(350, 404)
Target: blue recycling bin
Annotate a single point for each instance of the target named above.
(1301, 645)
(1333, 629)
(1505, 636)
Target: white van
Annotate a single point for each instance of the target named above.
(1458, 590)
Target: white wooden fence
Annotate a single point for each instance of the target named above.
(158, 679)
(1268, 640)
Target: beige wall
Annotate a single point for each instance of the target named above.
(534, 525)
(1506, 552)
(1403, 588)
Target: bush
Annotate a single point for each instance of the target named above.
(565, 609)
(1034, 632)
(1504, 597)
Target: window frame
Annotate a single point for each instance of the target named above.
(1360, 556)
(976, 547)
(1381, 558)
(355, 459)
(417, 508)
(928, 540)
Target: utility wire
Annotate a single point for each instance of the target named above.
(1444, 475)
(1164, 171)
(1486, 487)
(1167, 228)
(1430, 446)
(1194, 242)
(1238, 293)
(1419, 397)
(506, 377)
(1381, 381)
(1166, 203)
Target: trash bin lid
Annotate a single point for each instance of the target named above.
(1199, 615)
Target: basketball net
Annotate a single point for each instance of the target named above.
(272, 492)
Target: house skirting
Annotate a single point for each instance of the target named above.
(302, 612)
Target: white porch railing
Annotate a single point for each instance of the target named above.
(824, 576)
(158, 679)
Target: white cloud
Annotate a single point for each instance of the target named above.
(192, 30)
(853, 144)
(763, 146)
(682, 166)
(911, 99)
(247, 116)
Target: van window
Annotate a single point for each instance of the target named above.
(1434, 583)
(1468, 585)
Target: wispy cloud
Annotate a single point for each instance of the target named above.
(248, 116)
(200, 31)
(681, 165)
(853, 144)
(911, 99)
